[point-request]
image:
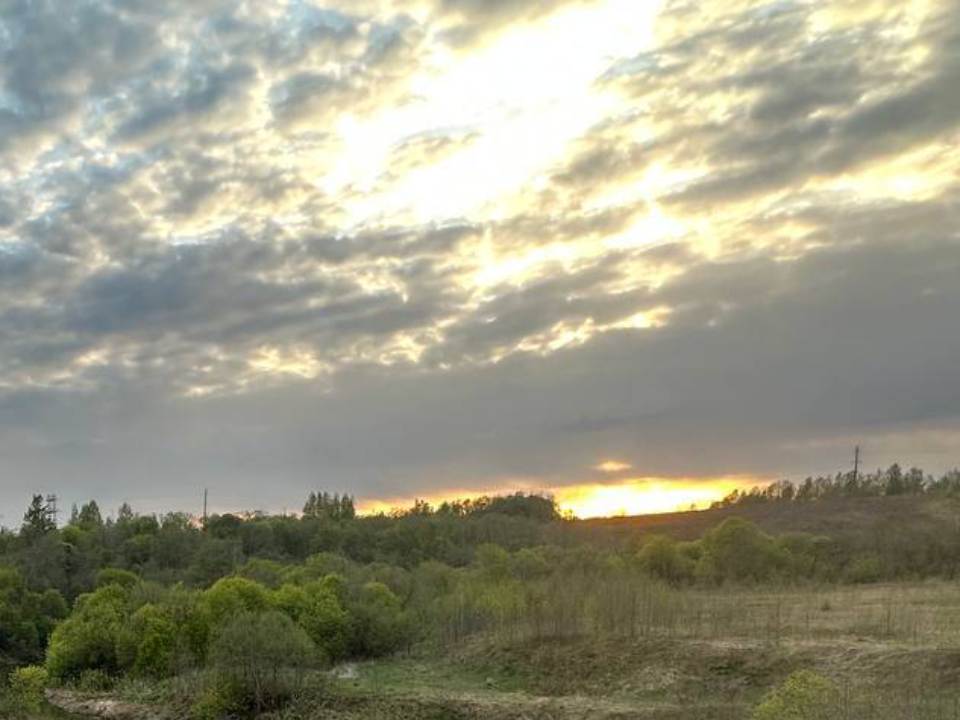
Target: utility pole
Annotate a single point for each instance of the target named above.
(856, 463)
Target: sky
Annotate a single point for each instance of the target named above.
(632, 253)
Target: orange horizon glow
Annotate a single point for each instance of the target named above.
(635, 496)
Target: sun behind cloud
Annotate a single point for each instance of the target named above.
(644, 496)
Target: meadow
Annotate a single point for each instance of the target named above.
(767, 608)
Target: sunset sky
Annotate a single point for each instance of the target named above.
(632, 253)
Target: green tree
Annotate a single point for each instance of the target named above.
(37, 520)
(739, 551)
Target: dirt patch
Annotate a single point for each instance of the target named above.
(102, 707)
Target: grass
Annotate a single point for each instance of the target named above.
(894, 650)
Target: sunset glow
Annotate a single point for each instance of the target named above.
(641, 496)
(644, 496)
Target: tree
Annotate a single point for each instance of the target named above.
(38, 520)
(741, 552)
(89, 517)
(26, 618)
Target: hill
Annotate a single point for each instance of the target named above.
(847, 519)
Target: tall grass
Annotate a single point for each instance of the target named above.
(632, 606)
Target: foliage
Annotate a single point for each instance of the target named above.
(232, 596)
(26, 618)
(738, 550)
(661, 557)
(27, 685)
(864, 570)
(317, 609)
(116, 576)
(87, 640)
(802, 696)
(220, 698)
(381, 624)
(265, 654)
(148, 643)
(155, 597)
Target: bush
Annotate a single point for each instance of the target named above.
(317, 609)
(660, 558)
(264, 655)
(27, 685)
(87, 640)
(220, 698)
(234, 596)
(864, 570)
(381, 625)
(802, 696)
(148, 643)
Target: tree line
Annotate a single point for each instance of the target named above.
(892, 482)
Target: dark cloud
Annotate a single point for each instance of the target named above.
(840, 343)
(189, 296)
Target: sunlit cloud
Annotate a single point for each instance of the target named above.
(419, 248)
(613, 466)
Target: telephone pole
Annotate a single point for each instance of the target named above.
(856, 463)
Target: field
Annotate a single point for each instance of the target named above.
(892, 650)
(849, 609)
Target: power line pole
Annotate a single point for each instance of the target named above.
(856, 464)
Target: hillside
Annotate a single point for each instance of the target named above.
(851, 519)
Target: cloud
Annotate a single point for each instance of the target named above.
(276, 239)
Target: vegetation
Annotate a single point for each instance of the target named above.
(243, 614)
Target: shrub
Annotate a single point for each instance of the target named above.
(802, 696)
(148, 643)
(317, 609)
(234, 596)
(660, 557)
(864, 570)
(87, 640)
(27, 685)
(381, 625)
(265, 655)
(221, 698)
